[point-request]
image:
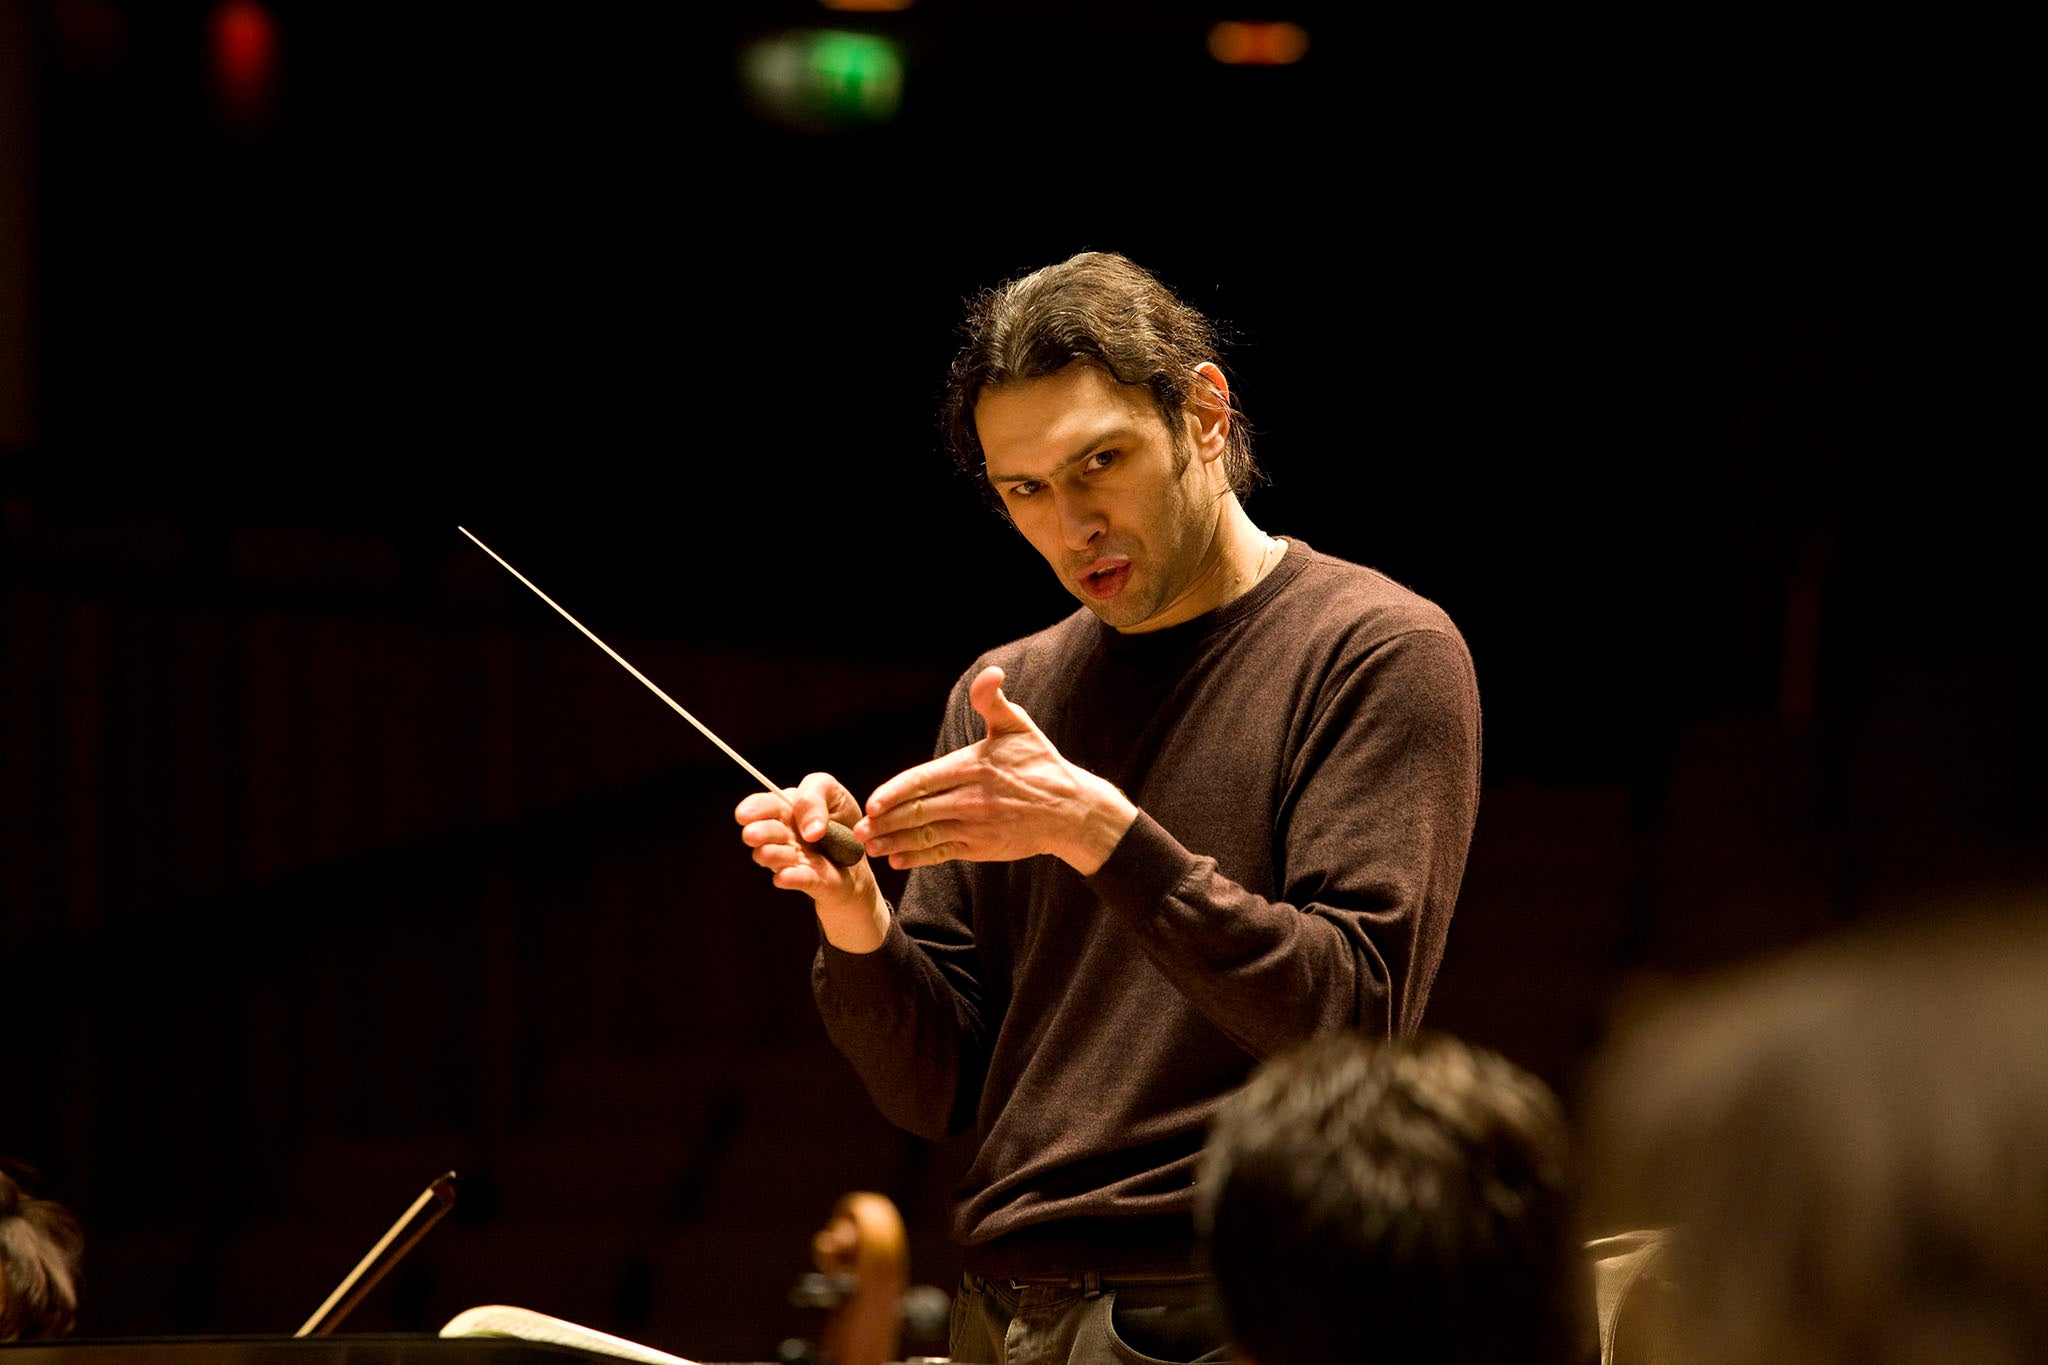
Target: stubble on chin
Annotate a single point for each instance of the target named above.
(1123, 611)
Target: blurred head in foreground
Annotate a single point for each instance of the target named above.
(40, 1246)
(1849, 1145)
(1401, 1202)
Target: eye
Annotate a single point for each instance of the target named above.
(1022, 490)
(1101, 459)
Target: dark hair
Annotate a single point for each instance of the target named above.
(40, 1248)
(1096, 307)
(1405, 1202)
(1847, 1144)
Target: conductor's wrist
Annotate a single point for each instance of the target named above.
(860, 925)
(1106, 815)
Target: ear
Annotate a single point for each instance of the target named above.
(1208, 411)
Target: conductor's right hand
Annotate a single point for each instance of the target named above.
(849, 904)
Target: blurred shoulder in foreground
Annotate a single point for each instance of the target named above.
(1846, 1143)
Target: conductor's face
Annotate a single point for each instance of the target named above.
(1091, 476)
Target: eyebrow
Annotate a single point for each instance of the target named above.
(1115, 436)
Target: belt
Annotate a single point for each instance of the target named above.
(1094, 1281)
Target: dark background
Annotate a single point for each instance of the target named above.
(1680, 359)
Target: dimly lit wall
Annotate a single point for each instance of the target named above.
(1678, 366)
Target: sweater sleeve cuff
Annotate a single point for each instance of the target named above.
(1143, 870)
(868, 981)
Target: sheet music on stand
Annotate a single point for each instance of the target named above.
(491, 1334)
(503, 1320)
(338, 1349)
(487, 1322)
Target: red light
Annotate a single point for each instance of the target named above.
(243, 42)
(1269, 44)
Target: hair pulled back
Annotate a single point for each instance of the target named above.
(1099, 308)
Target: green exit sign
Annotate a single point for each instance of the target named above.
(824, 78)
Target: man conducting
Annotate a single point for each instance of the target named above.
(1222, 808)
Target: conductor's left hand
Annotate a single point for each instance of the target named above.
(1005, 797)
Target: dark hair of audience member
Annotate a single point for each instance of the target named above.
(41, 1245)
(1400, 1202)
(1849, 1146)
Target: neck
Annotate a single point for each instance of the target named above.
(1247, 553)
(1239, 555)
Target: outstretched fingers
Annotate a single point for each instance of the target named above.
(909, 797)
(940, 852)
(923, 843)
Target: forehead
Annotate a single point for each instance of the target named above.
(1027, 422)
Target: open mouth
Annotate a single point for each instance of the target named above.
(1105, 578)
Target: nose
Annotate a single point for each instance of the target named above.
(1081, 522)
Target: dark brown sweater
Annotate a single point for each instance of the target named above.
(1306, 763)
